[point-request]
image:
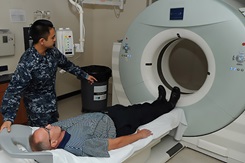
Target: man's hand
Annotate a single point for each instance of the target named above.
(144, 133)
(6, 124)
(91, 79)
(128, 139)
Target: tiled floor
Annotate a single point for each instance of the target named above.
(190, 156)
(72, 106)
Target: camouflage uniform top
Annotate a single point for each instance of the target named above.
(34, 79)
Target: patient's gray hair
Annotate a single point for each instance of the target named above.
(37, 146)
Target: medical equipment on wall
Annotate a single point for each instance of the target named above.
(41, 14)
(7, 43)
(28, 41)
(169, 44)
(78, 4)
(119, 3)
(64, 41)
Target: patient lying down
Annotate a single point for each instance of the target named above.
(94, 134)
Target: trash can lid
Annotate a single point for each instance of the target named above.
(101, 73)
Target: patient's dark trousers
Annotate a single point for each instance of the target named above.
(128, 118)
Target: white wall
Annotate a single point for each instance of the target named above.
(17, 28)
(102, 29)
(108, 28)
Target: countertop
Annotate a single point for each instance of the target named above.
(5, 78)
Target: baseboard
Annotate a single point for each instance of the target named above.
(61, 97)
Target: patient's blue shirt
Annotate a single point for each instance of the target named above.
(89, 134)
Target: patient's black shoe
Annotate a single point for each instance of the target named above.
(161, 93)
(174, 97)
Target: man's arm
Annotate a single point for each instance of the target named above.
(128, 139)
(11, 99)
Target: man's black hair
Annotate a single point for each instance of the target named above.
(40, 29)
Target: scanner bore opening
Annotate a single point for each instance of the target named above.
(186, 63)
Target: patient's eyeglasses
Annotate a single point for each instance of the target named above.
(48, 131)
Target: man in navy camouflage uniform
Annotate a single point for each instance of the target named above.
(34, 79)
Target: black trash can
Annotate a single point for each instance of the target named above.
(94, 97)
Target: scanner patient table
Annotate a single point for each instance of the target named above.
(14, 146)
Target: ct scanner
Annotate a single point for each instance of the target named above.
(198, 45)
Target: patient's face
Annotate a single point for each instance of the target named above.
(47, 134)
